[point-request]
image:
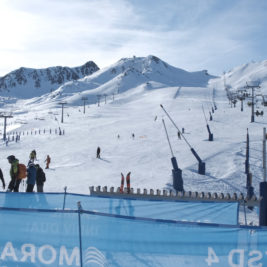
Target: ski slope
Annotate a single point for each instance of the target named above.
(147, 156)
(135, 89)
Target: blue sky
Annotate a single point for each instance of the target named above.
(216, 35)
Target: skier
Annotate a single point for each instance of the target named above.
(179, 135)
(31, 177)
(14, 172)
(2, 179)
(33, 156)
(48, 160)
(98, 153)
(40, 178)
(133, 135)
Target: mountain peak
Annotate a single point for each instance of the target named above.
(28, 82)
(144, 73)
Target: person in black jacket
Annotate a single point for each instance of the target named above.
(98, 153)
(31, 177)
(14, 172)
(2, 179)
(40, 178)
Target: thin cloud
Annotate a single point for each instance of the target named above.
(195, 34)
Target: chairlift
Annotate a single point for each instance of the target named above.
(246, 93)
(241, 95)
(259, 113)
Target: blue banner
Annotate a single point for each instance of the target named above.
(51, 238)
(208, 212)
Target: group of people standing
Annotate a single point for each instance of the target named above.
(34, 158)
(33, 172)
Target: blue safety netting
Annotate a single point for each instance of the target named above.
(87, 238)
(209, 212)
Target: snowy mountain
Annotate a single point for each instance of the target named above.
(129, 73)
(140, 85)
(253, 72)
(28, 83)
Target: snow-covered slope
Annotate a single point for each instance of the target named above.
(129, 73)
(254, 72)
(147, 156)
(136, 109)
(28, 83)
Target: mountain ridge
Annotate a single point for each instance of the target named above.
(247, 73)
(18, 82)
(149, 72)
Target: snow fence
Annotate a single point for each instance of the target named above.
(208, 212)
(49, 230)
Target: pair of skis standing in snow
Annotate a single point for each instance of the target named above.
(127, 182)
(122, 176)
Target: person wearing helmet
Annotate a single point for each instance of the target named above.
(31, 177)
(14, 171)
(33, 156)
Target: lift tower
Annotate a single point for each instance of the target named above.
(252, 87)
(5, 116)
(84, 99)
(62, 109)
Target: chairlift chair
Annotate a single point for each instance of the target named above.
(259, 113)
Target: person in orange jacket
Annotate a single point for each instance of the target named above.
(48, 160)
